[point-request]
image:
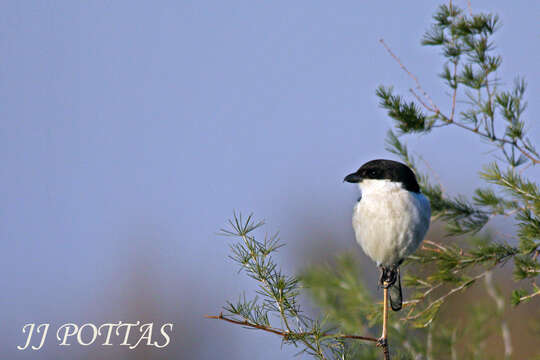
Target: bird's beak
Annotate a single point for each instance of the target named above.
(353, 178)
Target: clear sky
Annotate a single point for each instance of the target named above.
(129, 131)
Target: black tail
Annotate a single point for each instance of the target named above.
(396, 298)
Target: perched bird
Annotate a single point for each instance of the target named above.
(390, 219)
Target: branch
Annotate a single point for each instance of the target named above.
(279, 332)
(485, 135)
(529, 296)
(434, 107)
(443, 297)
(420, 100)
(287, 335)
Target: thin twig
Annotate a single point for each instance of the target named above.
(280, 332)
(285, 333)
(529, 296)
(282, 313)
(418, 86)
(415, 302)
(421, 101)
(436, 245)
(491, 138)
(433, 172)
(443, 297)
(357, 337)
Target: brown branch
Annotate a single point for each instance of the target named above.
(279, 332)
(436, 244)
(531, 157)
(425, 248)
(357, 337)
(434, 173)
(434, 107)
(284, 333)
(492, 138)
(421, 101)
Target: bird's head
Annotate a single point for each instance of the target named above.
(384, 171)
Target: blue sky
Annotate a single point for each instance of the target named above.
(131, 130)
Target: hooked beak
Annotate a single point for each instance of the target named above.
(353, 178)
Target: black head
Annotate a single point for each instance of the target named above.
(386, 170)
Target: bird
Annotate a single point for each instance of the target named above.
(390, 220)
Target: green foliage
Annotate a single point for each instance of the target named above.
(342, 296)
(517, 295)
(344, 300)
(408, 115)
(469, 69)
(278, 297)
(466, 44)
(439, 270)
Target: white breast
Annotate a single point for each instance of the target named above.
(389, 221)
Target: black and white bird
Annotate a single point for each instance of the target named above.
(390, 219)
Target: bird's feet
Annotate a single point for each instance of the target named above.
(388, 276)
(382, 342)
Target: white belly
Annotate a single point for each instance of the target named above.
(390, 222)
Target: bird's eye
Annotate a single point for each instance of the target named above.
(372, 173)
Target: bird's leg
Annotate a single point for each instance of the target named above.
(382, 275)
